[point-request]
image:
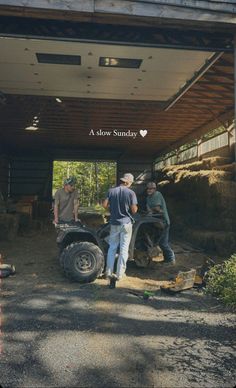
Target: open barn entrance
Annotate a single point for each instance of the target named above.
(133, 89)
(93, 178)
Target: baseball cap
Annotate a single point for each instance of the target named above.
(151, 185)
(129, 178)
(70, 181)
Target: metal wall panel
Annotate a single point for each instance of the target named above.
(31, 176)
(4, 171)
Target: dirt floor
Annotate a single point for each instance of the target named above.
(60, 333)
(35, 257)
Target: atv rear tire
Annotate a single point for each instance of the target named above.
(83, 261)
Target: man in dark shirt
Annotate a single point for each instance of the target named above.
(157, 204)
(123, 204)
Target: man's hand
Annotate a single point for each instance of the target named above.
(157, 209)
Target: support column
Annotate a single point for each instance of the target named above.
(199, 150)
(234, 129)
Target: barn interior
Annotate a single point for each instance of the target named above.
(77, 85)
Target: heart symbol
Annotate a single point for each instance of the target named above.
(143, 132)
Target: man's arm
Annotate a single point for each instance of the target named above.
(76, 208)
(56, 212)
(157, 208)
(56, 207)
(134, 209)
(134, 203)
(105, 203)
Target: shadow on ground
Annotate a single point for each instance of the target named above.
(58, 333)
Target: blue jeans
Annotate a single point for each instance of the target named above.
(120, 235)
(164, 245)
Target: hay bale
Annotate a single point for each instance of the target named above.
(92, 219)
(226, 167)
(207, 177)
(203, 198)
(219, 242)
(216, 161)
(201, 195)
(204, 164)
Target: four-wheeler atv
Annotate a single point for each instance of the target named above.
(83, 251)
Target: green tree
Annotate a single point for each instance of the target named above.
(93, 178)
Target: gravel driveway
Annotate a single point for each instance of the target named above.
(62, 334)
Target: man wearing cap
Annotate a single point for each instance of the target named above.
(122, 202)
(66, 202)
(156, 204)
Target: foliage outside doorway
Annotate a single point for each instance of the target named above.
(93, 178)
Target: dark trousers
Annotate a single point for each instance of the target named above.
(168, 253)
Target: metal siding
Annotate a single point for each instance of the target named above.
(30, 176)
(4, 170)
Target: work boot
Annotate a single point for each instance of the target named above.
(113, 281)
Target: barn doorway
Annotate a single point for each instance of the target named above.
(93, 178)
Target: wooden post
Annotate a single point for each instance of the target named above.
(96, 182)
(199, 142)
(177, 156)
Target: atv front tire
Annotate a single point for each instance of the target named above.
(82, 261)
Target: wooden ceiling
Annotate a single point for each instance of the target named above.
(68, 124)
(74, 123)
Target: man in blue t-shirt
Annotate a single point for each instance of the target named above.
(122, 202)
(157, 204)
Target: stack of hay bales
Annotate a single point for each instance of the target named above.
(201, 199)
(91, 219)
